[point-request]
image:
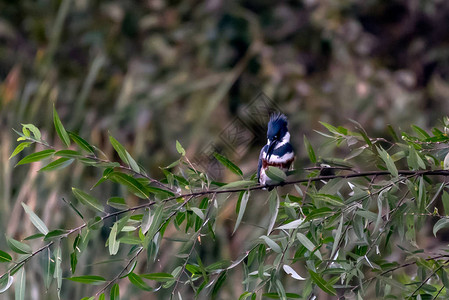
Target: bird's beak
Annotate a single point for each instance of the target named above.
(271, 147)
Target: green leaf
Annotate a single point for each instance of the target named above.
(36, 132)
(124, 155)
(337, 237)
(237, 184)
(73, 261)
(308, 244)
(272, 244)
(48, 268)
(81, 142)
(331, 199)
(118, 203)
(273, 201)
(130, 182)
(160, 277)
(101, 297)
(309, 149)
(58, 164)
(88, 279)
(19, 148)
(218, 284)
(87, 200)
(60, 130)
(37, 156)
(37, 222)
(113, 243)
(5, 257)
(138, 282)
(17, 246)
(180, 149)
(5, 282)
(115, 292)
(198, 212)
(155, 223)
(34, 236)
(69, 154)
(276, 174)
(421, 132)
(445, 200)
(388, 162)
(241, 209)
(58, 270)
(19, 284)
(319, 213)
(440, 224)
(322, 284)
(228, 164)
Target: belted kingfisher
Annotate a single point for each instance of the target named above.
(278, 151)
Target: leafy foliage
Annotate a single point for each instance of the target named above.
(329, 233)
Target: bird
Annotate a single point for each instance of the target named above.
(278, 152)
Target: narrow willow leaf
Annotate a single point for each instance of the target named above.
(58, 270)
(160, 277)
(37, 222)
(137, 281)
(331, 199)
(445, 200)
(241, 210)
(198, 212)
(121, 151)
(81, 142)
(36, 132)
(113, 243)
(146, 221)
(130, 182)
(69, 154)
(309, 150)
(218, 284)
(308, 244)
(101, 297)
(180, 149)
(157, 217)
(421, 132)
(87, 200)
(228, 164)
(115, 292)
(17, 246)
(272, 244)
(273, 201)
(132, 163)
(5, 257)
(337, 237)
(276, 174)
(60, 130)
(319, 213)
(48, 268)
(73, 261)
(118, 203)
(322, 284)
(440, 224)
(5, 282)
(19, 148)
(88, 279)
(289, 270)
(19, 284)
(34, 236)
(388, 162)
(37, 156)
(292, 225)
(236, 184)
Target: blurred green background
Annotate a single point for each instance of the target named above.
(153, 72)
